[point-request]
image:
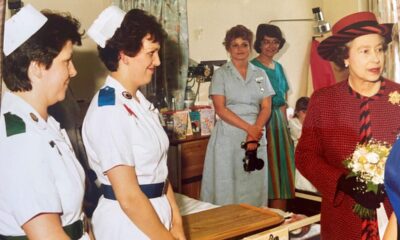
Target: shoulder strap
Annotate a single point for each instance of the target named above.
(14, 124)
(106, 96)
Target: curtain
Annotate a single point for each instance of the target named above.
(321, 70)
(387, 12)
(170, 79)
(2, 15)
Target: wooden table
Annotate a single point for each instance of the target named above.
(229, 222)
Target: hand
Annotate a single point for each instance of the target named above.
(251, 146)
(357, 190)
(255, 132)
(177, 231)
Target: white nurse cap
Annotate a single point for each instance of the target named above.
(105, 25)
(21, 27)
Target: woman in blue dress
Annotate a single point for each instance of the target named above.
(241, 94)
(280, 147)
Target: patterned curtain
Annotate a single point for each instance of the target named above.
(170, 79)
(2, 14)
(387, 11)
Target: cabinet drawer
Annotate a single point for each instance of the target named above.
(192, 158)
(192, 189)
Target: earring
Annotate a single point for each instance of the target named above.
(346, 65)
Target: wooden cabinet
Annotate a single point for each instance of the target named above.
(185, 164)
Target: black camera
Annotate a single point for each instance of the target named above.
(202, 71)
(250, 160)
(195, 71)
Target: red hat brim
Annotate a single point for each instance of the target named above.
(326, 48)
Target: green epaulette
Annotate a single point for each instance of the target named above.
(14, 124)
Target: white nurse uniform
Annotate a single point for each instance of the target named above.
(39, 172)
(119, 130)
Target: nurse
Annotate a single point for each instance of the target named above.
(42, 182)
(241, 94)
(126, 144)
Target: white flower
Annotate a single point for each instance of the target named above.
(367, 163)
(356, 156)
(372, 157)
(357, 167)
(377, 180)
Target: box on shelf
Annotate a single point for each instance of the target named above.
(195, 121)
(180, 119)
(207, 120)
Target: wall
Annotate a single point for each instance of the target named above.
(91, 71)
(208, 21)
(205, 39)
(334, 10)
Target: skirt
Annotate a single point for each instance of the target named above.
(280, 151)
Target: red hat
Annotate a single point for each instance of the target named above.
(351, 27)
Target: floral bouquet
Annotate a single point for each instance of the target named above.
(367, 164)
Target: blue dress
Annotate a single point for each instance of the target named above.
(392, 184)
(224, 179)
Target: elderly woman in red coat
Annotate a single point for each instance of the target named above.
(341, 116)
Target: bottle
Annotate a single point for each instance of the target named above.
(173, 104)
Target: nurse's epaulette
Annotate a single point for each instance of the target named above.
(14, 124)
(106, 96)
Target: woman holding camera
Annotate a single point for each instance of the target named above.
(241, 94)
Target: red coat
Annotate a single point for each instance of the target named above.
(330, 134)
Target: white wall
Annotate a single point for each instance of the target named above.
(208, 21)
(334, 10)
(205, 39)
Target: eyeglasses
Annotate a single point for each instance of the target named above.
(273, 42)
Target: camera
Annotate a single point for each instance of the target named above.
(250, 160)
(195, 71)
(203, 72)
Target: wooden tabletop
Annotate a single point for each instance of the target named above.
(228, 222)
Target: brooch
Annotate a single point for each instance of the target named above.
(394, 98)
(127, 95)
(259, 81)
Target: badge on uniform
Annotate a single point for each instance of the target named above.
(106, 96)
(53, 144)
(130, 111)
(127, 95)
(259, 81)
(34, 117)
(14, 124)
